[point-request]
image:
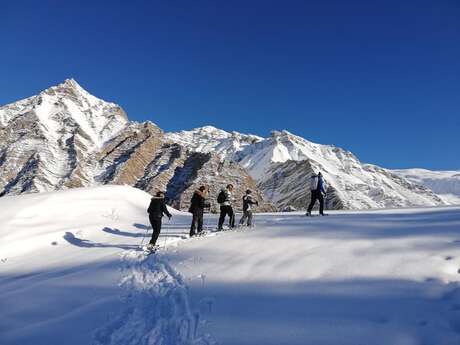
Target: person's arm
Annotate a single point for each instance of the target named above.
(165, 210)
(323, 187)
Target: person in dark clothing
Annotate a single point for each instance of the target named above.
(248, 201)
(156, 210)
(197, 206)
(318, 190)
(225, 201)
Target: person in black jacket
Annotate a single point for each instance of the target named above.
(156, 210)
(197, 206)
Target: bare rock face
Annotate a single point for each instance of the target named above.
(124, 158)
(283, 163)
(286, 185)
(48, 141)
(65, 138)
(162, 167)
(209, 170)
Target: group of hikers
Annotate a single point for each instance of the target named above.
(157, 208)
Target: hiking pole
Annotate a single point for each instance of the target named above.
(145, 235)
(206, 226)
(169, 222)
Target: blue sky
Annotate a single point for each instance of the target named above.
(379, 78)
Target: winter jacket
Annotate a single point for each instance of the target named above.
(228, 198)
(248, 202)
(158, 207)
(198, 201)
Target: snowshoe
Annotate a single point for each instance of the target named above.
(150, 249)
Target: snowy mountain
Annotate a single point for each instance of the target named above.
(64, 138)
(49, 141)
(210, 139)
(445, 183)
(283, 163)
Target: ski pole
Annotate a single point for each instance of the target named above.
(145, 234)
(207, 223)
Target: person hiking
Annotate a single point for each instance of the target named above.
(197, 206)
(156, 210)
(248, 201)
(225, 200)
(318, 191)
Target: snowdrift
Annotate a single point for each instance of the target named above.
(71, 272)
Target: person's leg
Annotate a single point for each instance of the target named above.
(243, 218)
(156, 226)
(321, 203)
(221, 217)
(200, 221)
(231, 215)
(249, 214)
(193, 226)
(312, 202)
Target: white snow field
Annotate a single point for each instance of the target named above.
(71, 273)
(444, 183)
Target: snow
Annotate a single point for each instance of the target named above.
(66, 103)
(59, 130)
(211, 139)
(60, 261)
(70, 272)
(360, 186)
(68, 129)
(444, 183)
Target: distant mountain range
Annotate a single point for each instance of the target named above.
(444, 183)
(65, 138)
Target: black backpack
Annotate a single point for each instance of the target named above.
(221, 197)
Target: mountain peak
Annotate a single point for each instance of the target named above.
(73, 84)
(69, 86)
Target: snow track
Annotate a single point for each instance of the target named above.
(157, 308)
(387, 277)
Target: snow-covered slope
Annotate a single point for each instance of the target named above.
(60, 263)
(210, 139)
(66, 138)
(444, 183)
(68, 104)
(50, 140)
(351, 184)
(70, 272)
(283, 163)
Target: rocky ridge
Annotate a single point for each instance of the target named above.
(64, 138)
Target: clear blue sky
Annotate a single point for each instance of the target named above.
(380, 78)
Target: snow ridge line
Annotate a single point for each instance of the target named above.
(157, 308)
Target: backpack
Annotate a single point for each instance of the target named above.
(221, 197)
(314, 182)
